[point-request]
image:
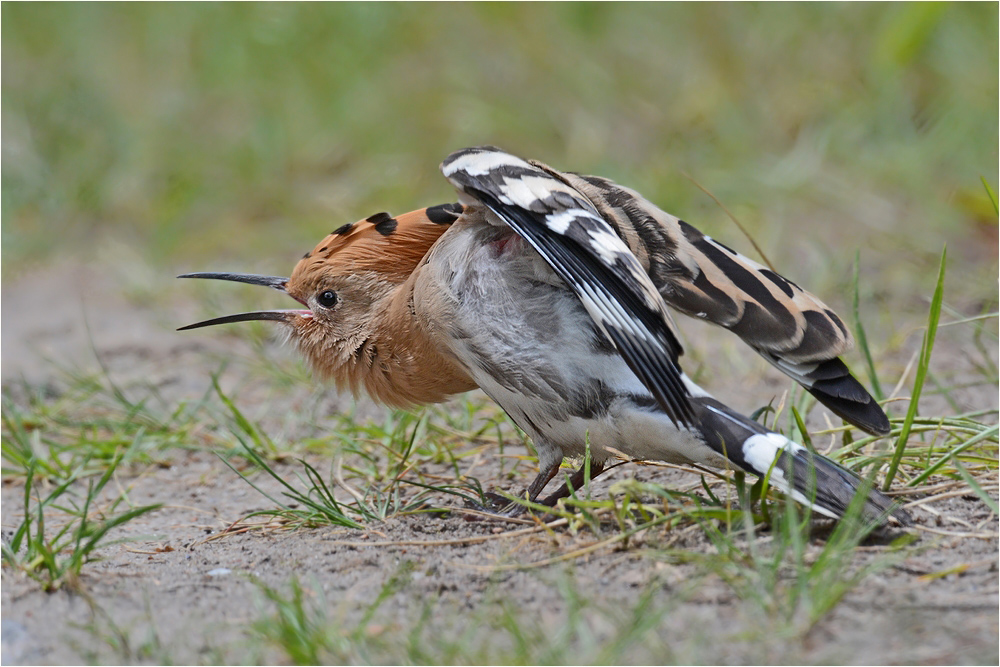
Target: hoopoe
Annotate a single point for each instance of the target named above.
(549, 291)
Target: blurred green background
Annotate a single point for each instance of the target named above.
(233, 136)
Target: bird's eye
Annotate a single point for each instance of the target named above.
(327, 299)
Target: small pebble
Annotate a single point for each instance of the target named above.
(219, 572)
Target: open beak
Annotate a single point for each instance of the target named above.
(274, 282)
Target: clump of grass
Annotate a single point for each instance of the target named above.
(963, 437)
(434, 630)
(55, 556)
(967, 438)
(792, 583)
(302, 630)
(64, 442)
(385, 458)
(317, 506)
(79, 423)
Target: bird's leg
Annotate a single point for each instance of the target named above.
(541, 479)
(575, 482)
(501, 506)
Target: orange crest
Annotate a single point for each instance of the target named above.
(391, 247)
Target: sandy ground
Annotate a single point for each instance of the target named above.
(179, 595)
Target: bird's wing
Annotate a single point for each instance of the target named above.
(587, 253)
(697, 275)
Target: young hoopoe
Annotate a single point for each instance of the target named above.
(549, 291)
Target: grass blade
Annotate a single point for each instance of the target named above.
(918, 383)
(992, 195)
(974, 485)
(859, 334)
(931, 469)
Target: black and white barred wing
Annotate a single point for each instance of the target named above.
(701, 277)
(586, 252)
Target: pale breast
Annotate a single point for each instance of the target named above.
(529, 343)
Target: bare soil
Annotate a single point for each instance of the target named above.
(178, 594)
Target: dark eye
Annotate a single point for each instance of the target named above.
(327, 299)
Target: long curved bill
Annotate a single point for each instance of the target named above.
(280, 315)
(274, 282)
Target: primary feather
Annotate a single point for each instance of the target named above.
(701, 277)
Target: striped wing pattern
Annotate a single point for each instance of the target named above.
(606, 239)
(587, 253)
(699, 276)
(703, 278)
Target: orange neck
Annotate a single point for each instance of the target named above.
(399, 363)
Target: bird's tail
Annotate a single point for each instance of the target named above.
(807, 477)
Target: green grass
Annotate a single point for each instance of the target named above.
(80, 423)
(918, 383)
(55, 555)
(307, 629)
(386, 461)
(783, 583)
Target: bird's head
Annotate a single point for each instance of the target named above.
(344, 284)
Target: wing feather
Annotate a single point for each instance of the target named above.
(704, 278)
(701, 277)
(587, 253)
(638, 251)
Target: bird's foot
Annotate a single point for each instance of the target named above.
(495, 505)
(503, 507)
